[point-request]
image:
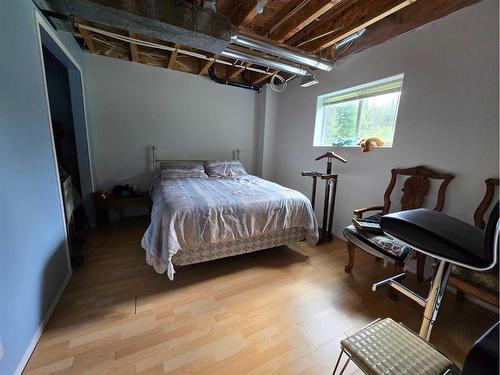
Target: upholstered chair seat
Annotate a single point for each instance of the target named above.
(484, 280)
(381, 243)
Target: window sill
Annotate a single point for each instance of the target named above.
(347, 147)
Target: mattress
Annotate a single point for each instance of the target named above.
(199, 219)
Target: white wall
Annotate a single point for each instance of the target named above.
(448, 115)
(134, 106)
(265, 112)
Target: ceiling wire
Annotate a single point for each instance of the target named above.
(280, 85)
(343, 50)
(319, 36)
(284, 19)
(236, 8)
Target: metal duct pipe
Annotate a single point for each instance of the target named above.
(248, 86)
(300, 58)
(237, 55)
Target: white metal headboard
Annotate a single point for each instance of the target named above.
(156, 162)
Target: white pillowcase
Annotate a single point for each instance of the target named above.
(182, 169)
(231, 168)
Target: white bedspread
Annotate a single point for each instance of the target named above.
(189, 212)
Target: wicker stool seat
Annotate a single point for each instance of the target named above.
(387, 347)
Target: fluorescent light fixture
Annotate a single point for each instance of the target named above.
(350, 38)
(308, 80)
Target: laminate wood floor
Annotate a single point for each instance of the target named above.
(280, 311)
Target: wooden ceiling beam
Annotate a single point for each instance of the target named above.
(409, 18)
(205, 65)
(172, 58)
(344, 18)
(263, 77)
(383, 19)
(300, 19)
(330, 42)
(134, 49)
(235, 71)
(87, 37)
(173, 21)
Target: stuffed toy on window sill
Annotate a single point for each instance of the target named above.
(369, 143)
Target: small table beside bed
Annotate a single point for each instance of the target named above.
(205, 210)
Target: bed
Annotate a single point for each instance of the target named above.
(195, 219)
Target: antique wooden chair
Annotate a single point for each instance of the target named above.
(483, 285)
(415, 189)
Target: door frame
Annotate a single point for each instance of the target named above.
(42, 24)
(75, 75)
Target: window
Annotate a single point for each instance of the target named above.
(346, 116)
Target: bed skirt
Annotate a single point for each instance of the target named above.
(237, 247)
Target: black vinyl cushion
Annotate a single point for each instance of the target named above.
(440, 235)
(483, 357)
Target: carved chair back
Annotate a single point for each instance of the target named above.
(416, 187)
(479, 215)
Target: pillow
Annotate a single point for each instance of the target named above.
(182, 169)
(230, 168)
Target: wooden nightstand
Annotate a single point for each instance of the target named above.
(103, 205)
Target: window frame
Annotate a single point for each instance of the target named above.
(320, 109)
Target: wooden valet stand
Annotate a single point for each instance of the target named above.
(325, 232)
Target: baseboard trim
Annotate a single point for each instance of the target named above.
(41, 327)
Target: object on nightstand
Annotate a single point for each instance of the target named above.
(102, 194)
(126, 191)
(111, 201)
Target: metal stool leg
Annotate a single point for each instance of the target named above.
(434, 299)
(338, 362)
(432, 303)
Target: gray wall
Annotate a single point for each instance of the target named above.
(33, 259)
(134, 106)
(448, 114)
(265, 112)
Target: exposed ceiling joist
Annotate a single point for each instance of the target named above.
(205, 65)
(134, 50)
(172, 58)
(340, 20)
(406, 20)
(168, 20)
(302, 17)
(263, 77)
(364, 25)
(88, 40)
(304, 25)
(235, 71)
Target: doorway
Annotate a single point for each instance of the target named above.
(66, 102)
